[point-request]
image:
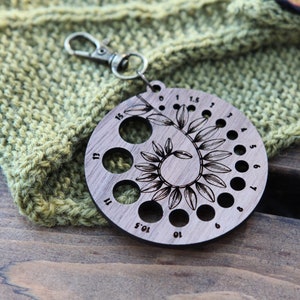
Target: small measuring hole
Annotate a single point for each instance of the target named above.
(225, 200)
(126, 192)
(176, 106)
(237, 183)
(241, 166)
(161, 107)
(117, 160)
(239, 150)
(150, 211)
(205, 212)
(232, 134)
(206, 114)
(191, 108)
(220, 123)
(135, 130)
(179, 218)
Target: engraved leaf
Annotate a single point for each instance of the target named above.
(150, 157)
(147, 177)
(205, 191)
(182, 116)
(212, 144)
(217, 167)
(217, 155)
(152, 187)
(196, 125)
(175, 198)
(160, 119)
(138, 109)
(145, 167)
(158, 149)
(168, 146)
(214, 180)
(205, 133)
(190, 197)
(162, 193)
(182, 154)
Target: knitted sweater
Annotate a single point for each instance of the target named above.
(246, 52)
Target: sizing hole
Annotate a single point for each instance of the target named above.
(237, 183)
(135, 130)
(242, 166)
(205, 212)
(239, 150)
(220, 123)
(117, 160)
(161, 107)
(126, 192)
(206, 114)
(150, 211)
(176, 106)
(225, 200)
(232, 134)
(191, 108)
(179, 218)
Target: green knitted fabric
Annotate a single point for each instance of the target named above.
(246, 52)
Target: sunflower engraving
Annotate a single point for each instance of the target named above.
(205, 148)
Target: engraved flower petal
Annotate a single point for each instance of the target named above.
(214, 180)
(138, 109)
(150, 157)
(182, 154)
(162, 193)
(158, 149)
(146, 167)
(175, 198)
(212, 144)
(205, 191)
(217, 155)
(152, 187)
(205, 133)
(182, 116)
(160, 119)
(196, 125)
(190, 197)
(147, 177)
(217, 167)
(168, 146)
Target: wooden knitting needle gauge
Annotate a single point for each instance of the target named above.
(198, 174)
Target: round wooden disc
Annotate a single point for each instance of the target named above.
(198, 173)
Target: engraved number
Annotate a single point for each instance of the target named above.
(194, 99)
(243, 129)
(229, 115)
(177, 234)
(252, 146)
(107, 201)
(96, 156)
(254, 188)
(256, 166)
(119, 116)
(142, 227)
(212, 104)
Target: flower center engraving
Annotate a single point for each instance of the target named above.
(179, 172)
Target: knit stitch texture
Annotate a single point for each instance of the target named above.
(246, 52)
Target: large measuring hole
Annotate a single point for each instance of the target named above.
(117, 160)
(126, 192)
(225, 200)
(179, 218)
(150, 211)
(135, 130)
(205, 212)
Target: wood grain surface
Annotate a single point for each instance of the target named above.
(258, 260)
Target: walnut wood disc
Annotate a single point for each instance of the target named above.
(195, 172)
